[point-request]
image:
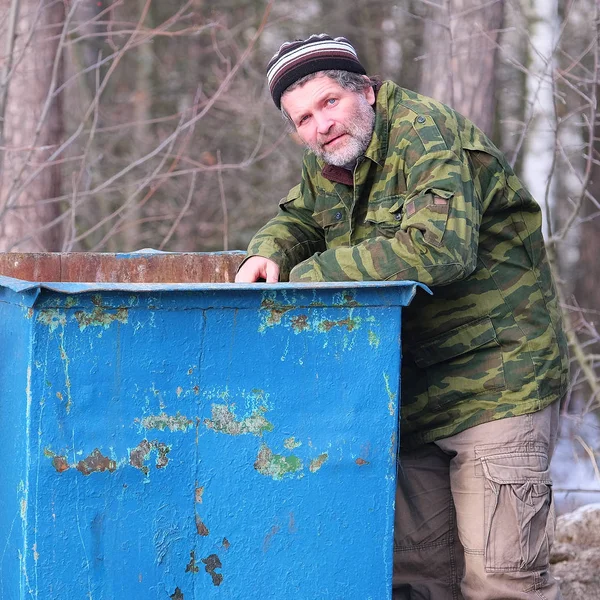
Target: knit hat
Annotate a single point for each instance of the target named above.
(296, 59)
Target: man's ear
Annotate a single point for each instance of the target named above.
(369, 92)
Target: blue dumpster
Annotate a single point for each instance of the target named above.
(182, 440)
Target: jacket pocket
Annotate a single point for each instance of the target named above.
(428, 212)
(385, 214)
(332, 216)
(462, 362)
(519, 510)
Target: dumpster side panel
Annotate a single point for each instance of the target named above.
(15, 417)
(210, 444)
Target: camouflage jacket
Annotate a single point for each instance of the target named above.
(433, 200)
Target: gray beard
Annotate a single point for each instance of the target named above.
(359, 130)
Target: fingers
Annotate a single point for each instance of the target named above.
(258, 268)
(272, 272)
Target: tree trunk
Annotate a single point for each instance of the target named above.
(33, 127)
(540, 146)
(460, 48)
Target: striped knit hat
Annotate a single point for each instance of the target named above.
(296, 59)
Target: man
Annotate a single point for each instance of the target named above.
(398, 186)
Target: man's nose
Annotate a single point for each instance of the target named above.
(324, 123)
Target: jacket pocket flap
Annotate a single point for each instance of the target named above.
(384, 210)
(455, 342)
(517, 469)
(331, 216)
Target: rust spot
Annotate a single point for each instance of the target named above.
(213, 563)
(199, 494)
(269, 537)
(99, 317)
(142, 451)
(226, 543)
(60, 464)
(52, 318)
(275, 310)
(349, 299)
(196, 390)
(361, 462)
(201, 528)
(192, 567)
(177, 595)
(190, 370)
(317, 463)
(96, 462)
(300, 323)
(349, 323)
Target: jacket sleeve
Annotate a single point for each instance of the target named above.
(434, 240)
(292, 236)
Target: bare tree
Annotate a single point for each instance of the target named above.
(31, 117)
(460, 45)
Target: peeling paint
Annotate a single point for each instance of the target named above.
(192, 567)
(52, 318)
(291, 443)
(361, 462)
(300, 323)
(177, 595)
(60, 464)
(96, 462)
(275, 311)
(391, 395)
(213, 563)
(224, 421)
(317, 463)
(374, 339)
(199, 493)
(70, 302)
(201, 528)
(163, 421)
(99, 317)
(141, 452)
(226, 544)
(276, 465)
(348, 299)
(349, 323)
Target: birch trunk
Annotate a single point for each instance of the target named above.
(33, 126)
(540, 144)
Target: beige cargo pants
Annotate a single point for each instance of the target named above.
(474, 514)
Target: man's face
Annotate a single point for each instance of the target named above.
(335, 123)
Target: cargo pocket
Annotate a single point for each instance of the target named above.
(519, 510)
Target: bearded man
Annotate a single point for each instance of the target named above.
(396, 186)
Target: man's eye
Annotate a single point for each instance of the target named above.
(331, 101)
(303, 120)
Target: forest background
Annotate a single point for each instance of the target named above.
(147, 123)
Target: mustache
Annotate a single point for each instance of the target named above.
(324, 139)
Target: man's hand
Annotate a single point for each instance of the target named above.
(258, 267)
